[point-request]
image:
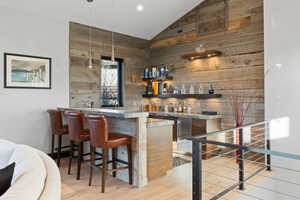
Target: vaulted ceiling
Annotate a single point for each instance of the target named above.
(116, 15)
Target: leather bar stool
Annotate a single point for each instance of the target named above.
(78, 135)
(102, 138)
(58, 129)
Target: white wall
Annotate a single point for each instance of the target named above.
(282, 95)
(282, 58)
(23, 117)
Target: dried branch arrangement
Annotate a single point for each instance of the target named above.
(240, 104)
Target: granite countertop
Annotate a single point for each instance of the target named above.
(184, 115)
(124, 113)
(153, 123)
(119, 113)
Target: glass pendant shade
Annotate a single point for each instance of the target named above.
(90, 65)
(113, 63)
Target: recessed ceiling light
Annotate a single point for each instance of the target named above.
(140, 8)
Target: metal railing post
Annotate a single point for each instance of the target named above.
(268, 146)
(197, 170)
(241, 161)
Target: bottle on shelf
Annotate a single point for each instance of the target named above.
(211, 89)
(176, 90)
(166, 71)
(150, 75)
(162, 71)
(154, 72)
(166, 108)
(183, 90)
(149, 89)
(146, 73)
(160, 88)
(180, 108)
(155, 88)
(165, 89)
(192, 91)
(200, 90)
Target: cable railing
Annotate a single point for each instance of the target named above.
(239, 166)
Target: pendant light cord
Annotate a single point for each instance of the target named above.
(113, 40)
(90, 65)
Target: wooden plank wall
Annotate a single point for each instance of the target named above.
(239, 71)
(84, 82)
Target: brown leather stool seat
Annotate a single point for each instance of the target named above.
(102, 138)
(115, 140)
(58, 129)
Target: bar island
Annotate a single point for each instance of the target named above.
(152, 139)
(139, 126)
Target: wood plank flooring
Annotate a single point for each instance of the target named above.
(175, 186)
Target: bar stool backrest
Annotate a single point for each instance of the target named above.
(55, 121)
(75, 123)
(98, 130)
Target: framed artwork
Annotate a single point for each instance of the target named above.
(22, 71)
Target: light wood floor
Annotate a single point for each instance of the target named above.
(175, 186)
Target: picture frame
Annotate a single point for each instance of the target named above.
(27, 72)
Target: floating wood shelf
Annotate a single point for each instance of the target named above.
(202, 55)
(168, 78)
(185, 96)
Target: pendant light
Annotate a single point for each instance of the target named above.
(112, 48)
(90, 65)
(113, 63)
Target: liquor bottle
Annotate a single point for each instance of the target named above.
(158, 72)
(160, 88)
(176, 90)
(200, 91)
(150, 73)
(146, 73)
(183, 90)
(162, 71)
(149, 89)
(166, 71)
(192, 91)
(155, 88)
(165, 89)
(154, 72)
(211, 90)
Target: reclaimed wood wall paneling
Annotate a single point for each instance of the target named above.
(85, 83)
(239, 70)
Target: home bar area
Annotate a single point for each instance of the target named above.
(149, 100)
(159, 92)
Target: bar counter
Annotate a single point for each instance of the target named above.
(139, 126)
(142, 129)
(132, 123)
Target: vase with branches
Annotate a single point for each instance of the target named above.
(240, 104)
